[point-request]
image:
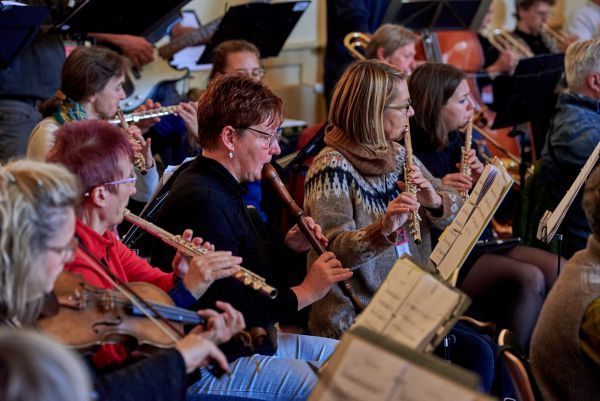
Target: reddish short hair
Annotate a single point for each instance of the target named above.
(91, 149)
(238, 101)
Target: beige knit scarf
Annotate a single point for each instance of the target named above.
(366, 160)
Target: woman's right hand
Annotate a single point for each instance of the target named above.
(397, 211)
(458, 181)
(197, 351)
(322, 274)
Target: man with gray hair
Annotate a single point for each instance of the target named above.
(574, 133)
(565, 347)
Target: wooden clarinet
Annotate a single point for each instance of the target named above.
(138, 158)
(464, 159)
(269, 174)
(187, 248)
(414, 225)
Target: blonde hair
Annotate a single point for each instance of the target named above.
(35, 198)
(33, 367)
(581, 59)
(359, 99)
(389, 37)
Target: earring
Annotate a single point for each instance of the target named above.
(230, 154)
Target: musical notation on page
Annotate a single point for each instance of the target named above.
(390, 372)
(551, 220)
(459, 238)
(412, 307)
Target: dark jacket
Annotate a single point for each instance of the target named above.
(572, 137)
(208, 199)
(343, 17)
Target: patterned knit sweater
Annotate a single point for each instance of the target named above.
(350, 208)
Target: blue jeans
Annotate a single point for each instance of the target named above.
(17, 120)
(285, 376)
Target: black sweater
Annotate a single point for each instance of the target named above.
(208, 199)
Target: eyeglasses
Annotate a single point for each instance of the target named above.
(273, 137)
(401, 107)
(256, 73)
(66, 252)
(129, 180)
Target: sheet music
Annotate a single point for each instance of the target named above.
(460, 236)
(361, 370)
(411, 306)
(551, 220)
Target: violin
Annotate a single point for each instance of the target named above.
(89, 316)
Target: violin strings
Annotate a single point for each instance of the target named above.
(159, 307)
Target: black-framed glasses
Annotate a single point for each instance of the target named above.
(66, 252)
(401, 107)
(273, 137)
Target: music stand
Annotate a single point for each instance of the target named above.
(529, 94)
(436, 15)
(267, 26)
(132, 17)
(18, 26)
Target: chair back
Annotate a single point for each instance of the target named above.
(518, 367)
(296, 176)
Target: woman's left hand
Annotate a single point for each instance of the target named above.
(140, 144)
(426, 194)
(181, 264)
(188, 111)
(475, 164)
(297, 242)
(220, 327)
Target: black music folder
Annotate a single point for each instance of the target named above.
(530, 92)
(19, 24)
(428, 16)
(132, 17)
(265, 25)
(437, 15)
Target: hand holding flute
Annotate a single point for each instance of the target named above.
(198, 274)
(142, 155)
(190, 249)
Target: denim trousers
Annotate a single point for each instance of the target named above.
(286, 376)
(17, 119)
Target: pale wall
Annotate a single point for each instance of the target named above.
(296, 73)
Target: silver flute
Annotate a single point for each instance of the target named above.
(144, 115)
(187, 248)
(414, 225)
